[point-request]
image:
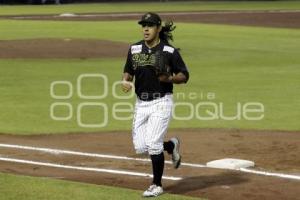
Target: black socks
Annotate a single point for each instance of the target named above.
(169, 146)
(158, 163)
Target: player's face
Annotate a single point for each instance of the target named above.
(150, 32)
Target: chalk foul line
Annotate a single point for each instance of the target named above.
(96, 155)
(91, 169)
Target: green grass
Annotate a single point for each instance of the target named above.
(23, 188)
(13, 29)
(144, 7)
(238, 64)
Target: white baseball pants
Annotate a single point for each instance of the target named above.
(150, 124)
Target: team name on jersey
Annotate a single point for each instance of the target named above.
(140, 59)
(136, 49)
(168, 49)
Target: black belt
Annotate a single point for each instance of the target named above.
(152, 96)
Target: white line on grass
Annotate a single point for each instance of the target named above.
(59, 151)
(130, 173)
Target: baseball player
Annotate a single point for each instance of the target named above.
(155, 65)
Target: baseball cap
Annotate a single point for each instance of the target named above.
(150, 17)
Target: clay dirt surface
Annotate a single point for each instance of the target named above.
(83, 48)
(272, 151)
(62, 48)
(276, 18)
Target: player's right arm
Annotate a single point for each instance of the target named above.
(128, 74)
(127, 82)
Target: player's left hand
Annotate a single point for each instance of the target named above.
(165, 78)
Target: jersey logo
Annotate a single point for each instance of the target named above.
(168, 49)
(136, 49)
(141, 60)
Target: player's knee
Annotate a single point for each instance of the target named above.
(155, 149)
(139, 145)
(140, 149)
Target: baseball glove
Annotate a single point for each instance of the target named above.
(161, 66)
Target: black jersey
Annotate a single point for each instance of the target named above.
(141, 64)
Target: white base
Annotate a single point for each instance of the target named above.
(67, 15)
(230, 163)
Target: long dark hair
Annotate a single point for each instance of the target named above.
(166, 32)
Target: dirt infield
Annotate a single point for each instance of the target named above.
(79, 48)
(62, 48)
(284, 19)
(271, 151)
